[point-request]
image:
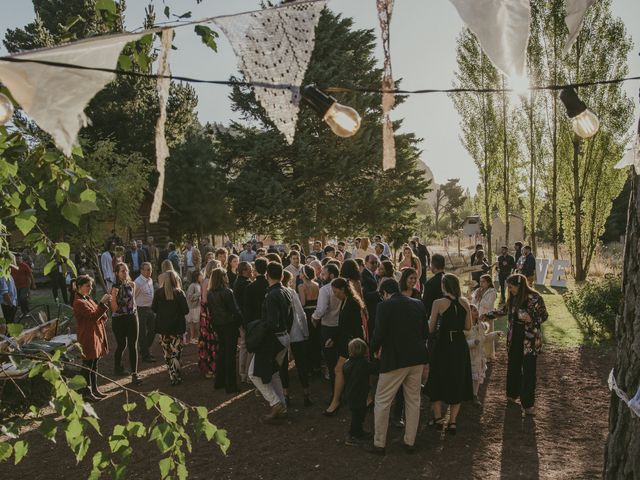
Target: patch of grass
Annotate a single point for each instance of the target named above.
(561, 329)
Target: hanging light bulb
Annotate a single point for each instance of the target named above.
(344, 121)
(585, 123)
(6, 109)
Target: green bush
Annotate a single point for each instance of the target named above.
(595, 305)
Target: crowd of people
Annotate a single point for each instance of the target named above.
(383, 333)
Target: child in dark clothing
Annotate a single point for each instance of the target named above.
(356, 375)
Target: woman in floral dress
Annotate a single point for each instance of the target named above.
(207, 342)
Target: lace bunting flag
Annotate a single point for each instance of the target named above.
(385, 8)
(55, 98)
(162, 150)
(273, 46)
(502, 27)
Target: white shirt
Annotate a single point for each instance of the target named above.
(189, 256)
(487, 302)
(144, 291)
(106, 262)
(299, 329)
(328, 308)
(293, 270)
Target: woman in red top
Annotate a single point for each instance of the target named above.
(92, 334)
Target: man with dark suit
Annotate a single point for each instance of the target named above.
(422, 252)
(369, 279)
(134, 259)
(379, 248)
(401, 332)
(255, 292)
(433, 287)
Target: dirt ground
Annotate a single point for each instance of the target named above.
(564, 441)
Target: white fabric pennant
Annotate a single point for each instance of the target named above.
(273, 46)
(55, 97)
(633, 403)
(502, 27)
(576, 11)
(385, 10)
(162, 150)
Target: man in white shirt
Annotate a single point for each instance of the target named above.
(106, 262)
(294, 267)
(146, 317)
(247, 255)
(327, 313)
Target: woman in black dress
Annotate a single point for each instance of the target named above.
(308, 292)
(450, 372)
(349, 327)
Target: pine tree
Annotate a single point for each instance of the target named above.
(324, 185)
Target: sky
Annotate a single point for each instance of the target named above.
(423, 43)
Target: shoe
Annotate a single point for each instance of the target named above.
(371, 448)
(476, 402)
(274, 417)
(209, 375)
(307, 401)
(408, 448)
(531, 412)
(331, 413)
(397, 423)
(439, 424)
(353, 441)
(452, 429)
(135, 380)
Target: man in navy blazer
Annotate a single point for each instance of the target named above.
(400, 337)
(369, 279)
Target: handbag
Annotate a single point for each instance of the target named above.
(256, 334)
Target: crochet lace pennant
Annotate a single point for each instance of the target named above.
(162, 150)
(576, 11)
(55, 97)
(273, 46)
(502, 28)
(385, 9)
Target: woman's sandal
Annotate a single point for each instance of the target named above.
(439, 424)
(452, 428)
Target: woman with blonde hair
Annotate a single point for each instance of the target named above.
(166, 266)
(364, 248)
(207, 342)
(170, 306)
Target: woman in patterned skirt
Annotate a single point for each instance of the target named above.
(207, 343)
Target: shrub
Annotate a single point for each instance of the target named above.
(595, 305)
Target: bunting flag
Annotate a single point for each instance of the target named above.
(273, 46)
(502, 28)
(576, 11)
(55, 98)
(632, 156)
(385, 9)
(632, 403)
(162, 150)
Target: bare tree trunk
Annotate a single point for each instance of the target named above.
(487, 194)
(532, 181)
(505, 159)
(622, 460)
(577, 214)
(554, 141)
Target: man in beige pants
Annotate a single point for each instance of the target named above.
(401, 331)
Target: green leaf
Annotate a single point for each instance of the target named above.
(74, 429)
(77, 151)
(88, 195)
(107, 5)
(223, 442)
(5, 451)
(60, 196)
(64, 249)
(94, 423)
(137, 429)
(125, 63)
(129, 407)
(152, 399)
(49, 428)
(42, 203)
(85, 207)
(48, 267)
(202, 412)
(25, 221)
(20, 449)
(77, 382)
(71, 212)
(73, 268)
(166, 466)
(209, 430)
(118, 471)
(182, 471)
(15, 329)
(208, 36)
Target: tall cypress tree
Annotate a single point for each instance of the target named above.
(323, 185)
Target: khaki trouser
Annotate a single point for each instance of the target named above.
(388, 384)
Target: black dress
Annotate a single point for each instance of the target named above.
(350, 326)
(450, 372)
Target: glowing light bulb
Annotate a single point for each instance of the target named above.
(6, 109)
(344, 121)
(586, 124)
